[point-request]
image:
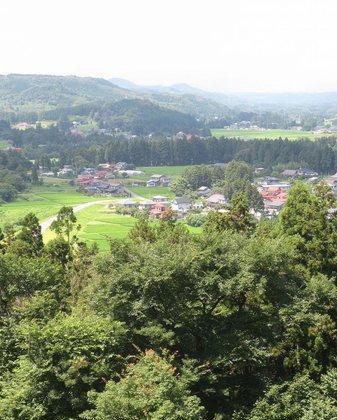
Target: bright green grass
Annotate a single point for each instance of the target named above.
(149, 192)
(172, 171)
(44, 201)
(268, 134)
(99, 223)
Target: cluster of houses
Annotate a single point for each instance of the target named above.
(274, 195)
(102, 180)
(159, 205)
(158, 180)
(301, 173)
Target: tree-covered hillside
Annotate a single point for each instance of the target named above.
(26, 94)
(36, 93)
(139, 116)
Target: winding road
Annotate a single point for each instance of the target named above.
(46, 224)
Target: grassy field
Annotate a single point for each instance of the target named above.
(269, 134)
(149, 192)
(99, 223)
(44, 201)
(172, 171)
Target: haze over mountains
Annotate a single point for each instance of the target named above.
(262, 100)
(22, 94)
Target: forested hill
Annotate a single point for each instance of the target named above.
(36, 93)
(139, 116)
(23, 94)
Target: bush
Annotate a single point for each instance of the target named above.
(196, 219)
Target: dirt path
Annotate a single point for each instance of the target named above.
(46, 224)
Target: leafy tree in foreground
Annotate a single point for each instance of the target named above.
(64, 359)
(300, 399)
(310, 218)
(150, 389)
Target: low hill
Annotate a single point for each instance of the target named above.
(38, 93)
(139, 116)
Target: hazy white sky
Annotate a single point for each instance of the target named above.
(228, 45)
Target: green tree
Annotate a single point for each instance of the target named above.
(310, 219)
(237, 218)
(31, 233)
(65, 223)
(150, 389)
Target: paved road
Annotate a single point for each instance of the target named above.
(46, 224)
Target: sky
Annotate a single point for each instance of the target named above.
(223, 45)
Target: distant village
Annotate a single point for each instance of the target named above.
(109, 179)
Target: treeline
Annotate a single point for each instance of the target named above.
(320, 155)
(14, 174)
(238, 323)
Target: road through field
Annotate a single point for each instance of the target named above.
(46, 224)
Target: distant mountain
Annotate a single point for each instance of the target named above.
(35, 93)
(181, 97)
(302, 102)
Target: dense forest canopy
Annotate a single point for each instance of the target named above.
(238, 323)
(319, 155)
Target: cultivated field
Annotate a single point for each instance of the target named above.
(268, 134)
(44, 201)
(99, 223)
(149, 192)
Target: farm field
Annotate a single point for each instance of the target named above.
(172, 171)
(149, 192)
(268, 134)
(99, 223)
(44, 201)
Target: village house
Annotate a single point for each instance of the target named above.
(204, 192)
(216, 200)
(127, 202)
(119, 166)
(146, 205)
(159, 211)
(161, 199)
(299, 173)
(274, 198)
(165, 181)
(198, 205)
(67, 170)
(152, 183)
(181, 204)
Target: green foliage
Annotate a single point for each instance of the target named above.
(196, 220)
(65, 223)
(309, 217)
(236, 219)
(301, 399)
(196, 177)
(150, 389)
(31, 233)
(64, 360)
